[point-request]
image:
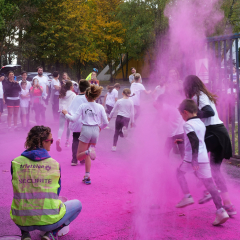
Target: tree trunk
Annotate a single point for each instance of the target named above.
(126, 67)
(110, 69)
(121, 62)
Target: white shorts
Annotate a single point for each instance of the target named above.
(204, 170)
(89, 134)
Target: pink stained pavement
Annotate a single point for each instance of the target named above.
(114, 205)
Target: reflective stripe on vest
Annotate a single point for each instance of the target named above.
(37, 195)
(35, 212)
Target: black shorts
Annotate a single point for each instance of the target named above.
(1, 105)
(109, 109)
(13, 103)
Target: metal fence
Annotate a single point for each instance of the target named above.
(223, 59)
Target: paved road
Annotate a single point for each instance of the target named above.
(133, 190)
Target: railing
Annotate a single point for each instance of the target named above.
(225, 83)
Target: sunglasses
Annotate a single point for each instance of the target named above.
(48, 140)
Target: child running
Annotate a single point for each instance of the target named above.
(24, 103)
(75, 127)
(196, 159)
(125, 115)
(66, 96)
(111, 97)
(136, 88)
(217, 139)
(94, 119)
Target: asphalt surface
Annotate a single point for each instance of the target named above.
(133, 192)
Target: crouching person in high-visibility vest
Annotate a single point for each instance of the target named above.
(36, 181)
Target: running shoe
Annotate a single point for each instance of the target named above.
(231, 210)
(58, 146)
(207, 197)
(107, 127)
(86, 180)
(114, 149)
(74, 163)
(26, 236)
(92, 152)
(221, 217)
(125, 131)
(67, 144)
(185, 202)
(50, 236)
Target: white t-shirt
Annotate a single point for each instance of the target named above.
(131, 78)
(111, 96)
(92, 114)
(174, 120)
(125, 108)
(159, 91)
(77, 101)
(1, 90)
(43, 82)
(55, 83)
(136, 88)
(204, 101)
(29, 85)
(24, 102)
(197, 126)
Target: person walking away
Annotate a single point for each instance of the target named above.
(36, 181)
(36, 93)
(125, 115)
(216, 138)
(136, 89)
(66, 97)
(29, 85)
(76, 126)
(94, 119)
(196, 160)
(111, 97)
(24, 103)
(2, 100)
(56, 86)
(11, 91)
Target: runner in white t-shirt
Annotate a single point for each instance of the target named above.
(196, 159)
(216, 138)
(136, 89)
(111, 97)
(94, 119)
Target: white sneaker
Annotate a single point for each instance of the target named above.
(185, 202)
(67, 144)
(207, 197)
(125, 131)
(114, 149)
(221, 217)
(107, 127)
(92, 153)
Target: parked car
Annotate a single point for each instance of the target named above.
(11, 67)
(31, 75)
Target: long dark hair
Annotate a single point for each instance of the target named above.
(65, 87)
(193, 86)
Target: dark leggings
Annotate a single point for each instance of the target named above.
(215, 149)
(39, 113)
(119, 124)
(208, 183)
(55, 107)
(169, 144)
(75, 142)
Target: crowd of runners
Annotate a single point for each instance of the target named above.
(194, 129)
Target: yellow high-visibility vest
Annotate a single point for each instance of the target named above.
(35, 186)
